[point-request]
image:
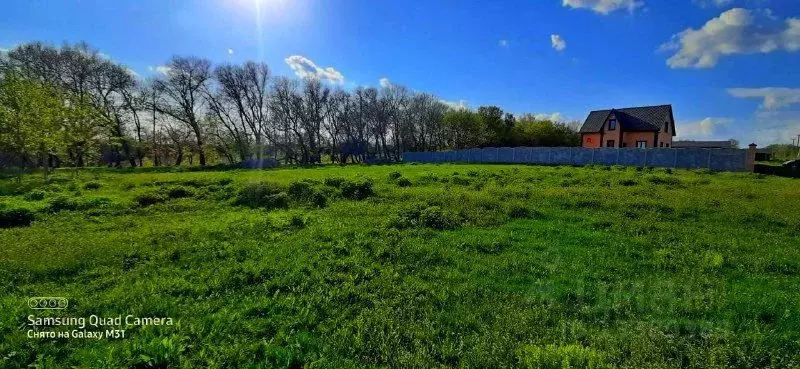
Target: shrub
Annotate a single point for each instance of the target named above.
(357, 189)
(225, 181)
(394, 175)
(671, 181)
(319, 199)
(334, 181)
(149, 198)
(515, 210)
(177, 192)
(94, 202)
(261, 194)
(35, 195)
(92, 185)
(462, 181)
(628, 182)
(436, 218)
(297, 221)
(61, 203)
(404, 182)
(301, 190)
(15, 217)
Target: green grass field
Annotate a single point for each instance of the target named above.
(429, 266)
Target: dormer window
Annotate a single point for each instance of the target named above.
(612, 124)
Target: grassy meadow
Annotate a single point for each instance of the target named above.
(423, 266)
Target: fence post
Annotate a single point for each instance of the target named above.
(750, 159)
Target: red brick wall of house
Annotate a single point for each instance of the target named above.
(590, 140)
(631, 138)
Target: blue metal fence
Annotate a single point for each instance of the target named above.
(714, 159)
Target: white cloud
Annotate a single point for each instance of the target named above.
(711, 3)
(604, 6)
(558, 42)
(503, 43)
(775, 127)
(773, 97)
(384, 82)
(459, 104)
(553, 117)
(707, 128)
(230, 51)
(160, 69)
(305, 68)
(736, 31)
(132, 72)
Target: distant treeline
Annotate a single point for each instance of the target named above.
(73, 106)
(784, 152)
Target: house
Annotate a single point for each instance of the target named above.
(729, 144)
(642, 127)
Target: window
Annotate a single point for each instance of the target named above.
(624, 144)
(667, 144)
(610, 143)
(612, 124)
(641, 144)
(660, 144)
(666, 127)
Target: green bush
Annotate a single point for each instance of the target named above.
(394, 175)
(149, 198)
(319, 199)
(262, 195)
(628, 182)
(404, 182)
(15, 217)
(663, 180)
(436, 218)
(334, 181)
(357, 189)
(92, 185)
(62, 203)
(177, 192)
(301, 190)
(35, 195)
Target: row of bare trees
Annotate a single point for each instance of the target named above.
(234, 113)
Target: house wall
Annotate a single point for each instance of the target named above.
(665, 137)
(631, 138)
(590, 140)
(608, 134)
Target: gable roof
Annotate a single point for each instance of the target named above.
(642, 118)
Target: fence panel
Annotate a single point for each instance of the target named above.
(714, 159)
(727, 160)
(605, 156)
(505, 155)
(582, 156)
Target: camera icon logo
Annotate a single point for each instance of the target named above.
(48, 303)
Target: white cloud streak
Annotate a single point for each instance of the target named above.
(707, 128)
(558, 42)
(458, 104)
(772, 97)
(384, 82)
(305, 68)
(736, 31)
(503, 43)
(604, 7)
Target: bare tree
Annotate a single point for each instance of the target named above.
(182, 91)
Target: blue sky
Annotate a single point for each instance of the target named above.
(729, 67)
